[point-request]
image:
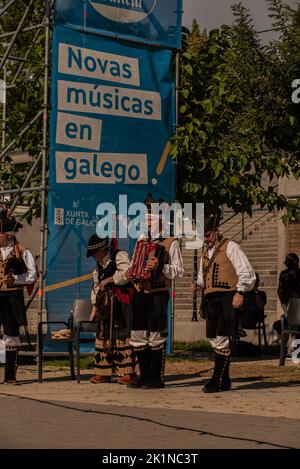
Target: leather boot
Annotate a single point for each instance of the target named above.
(226, 381)
(215, 383)
(156, 380)
(143, 357)
(10, 367)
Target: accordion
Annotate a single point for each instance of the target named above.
(144, 250)
(15, 266)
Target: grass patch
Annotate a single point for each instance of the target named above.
(197, 346)
(61, 362)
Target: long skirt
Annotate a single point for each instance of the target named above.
(116, 355)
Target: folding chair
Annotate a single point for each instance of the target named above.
(290, 326)
(80, 314)
(78, 323)
(260, 327)
(68, 325)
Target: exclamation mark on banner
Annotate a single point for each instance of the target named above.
(162, 162)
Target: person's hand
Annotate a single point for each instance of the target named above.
(237, 301)
(103, 284)
(93, 314)
(152, 263)
(194, 288)
(9, 279)
(128, 273)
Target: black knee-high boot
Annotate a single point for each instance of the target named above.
(220, 380)
(225, 380)
(156, 381)
(143, 357)
(11, 356)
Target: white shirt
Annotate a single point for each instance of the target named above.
(244, 271)
(31, 275)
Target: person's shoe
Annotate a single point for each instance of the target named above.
(11, 382)
(241, 332)
(127, 379)
(154, 383)
(99, 379)
(138, 382)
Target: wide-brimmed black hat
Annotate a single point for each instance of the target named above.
(8, 224)
(95, 244)
(211, 223)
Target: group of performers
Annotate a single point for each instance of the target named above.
(225, 274)
(132, 313)
(137, 330)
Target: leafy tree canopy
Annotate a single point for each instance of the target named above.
(238, 126)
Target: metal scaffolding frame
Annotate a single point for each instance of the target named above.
(43, 113)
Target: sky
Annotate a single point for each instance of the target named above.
(211, 14)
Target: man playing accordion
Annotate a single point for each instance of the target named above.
(150, 303)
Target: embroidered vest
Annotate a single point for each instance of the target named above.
(3, 286)
(219, 275)
(122, 292)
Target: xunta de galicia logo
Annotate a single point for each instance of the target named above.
(124, 11)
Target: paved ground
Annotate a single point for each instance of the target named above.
(64, 425)
(262, 410)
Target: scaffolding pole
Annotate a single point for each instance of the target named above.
(4, 9)
(172, 319)
(23, 131)
(43, 182)
(27, 180)
(4, 110)
(42, 157)
(16, 33)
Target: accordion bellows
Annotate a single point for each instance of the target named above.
(144, 251)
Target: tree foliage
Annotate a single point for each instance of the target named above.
(239, 130)
(25, 99)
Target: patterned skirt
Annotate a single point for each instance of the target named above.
(116, 355)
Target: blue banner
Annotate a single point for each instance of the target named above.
(155, 22)
(111, 121)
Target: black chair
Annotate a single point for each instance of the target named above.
(69, 341)
(78, 323)
(80, 314)
(289, 326)
(259, 326)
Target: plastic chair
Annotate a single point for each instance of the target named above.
(290, 326)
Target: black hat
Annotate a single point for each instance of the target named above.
(8, 224)
(96, 244)
(211, 223)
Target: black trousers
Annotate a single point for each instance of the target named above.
(221, 317)
(12, 312)
(150, 312)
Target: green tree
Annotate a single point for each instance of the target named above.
(25, 98)
(237, 121)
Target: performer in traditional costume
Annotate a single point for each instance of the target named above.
(225, 274)
(111, 297)
(17, 269)
(150, 309)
